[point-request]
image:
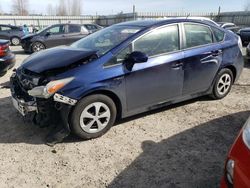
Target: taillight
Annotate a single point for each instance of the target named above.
(4, 49)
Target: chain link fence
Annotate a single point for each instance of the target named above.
(239, 18)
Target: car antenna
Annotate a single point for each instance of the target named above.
(188, 15)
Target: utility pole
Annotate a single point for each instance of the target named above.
(134, 12)
(219, 11)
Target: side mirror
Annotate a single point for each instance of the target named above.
(135, 57)
(47, 34)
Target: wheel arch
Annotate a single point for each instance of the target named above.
(110, 94)
(233, 69)
(15, 36)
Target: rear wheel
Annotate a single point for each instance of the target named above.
(15, 41)
(223, 84)
(38, 46)
(93, 116)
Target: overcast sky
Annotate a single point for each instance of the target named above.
(115, 6)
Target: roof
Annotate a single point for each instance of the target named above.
(150, 23)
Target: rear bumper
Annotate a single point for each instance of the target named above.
(239, 65)
(7, 62)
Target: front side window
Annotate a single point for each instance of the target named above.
(57, 30)
(197, 35)
(159, 41)
(120, 57)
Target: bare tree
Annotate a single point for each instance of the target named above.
(50, 10)
(76, 7)
(1, 11)
(247, 6)
(69, 7)
(20, 7)
(61, 9)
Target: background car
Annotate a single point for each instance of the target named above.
(237, 168)
(7, 58)
(92, 27)
(127, 69)
(229, 26)
(248, 52)
(244, 35)
(55, 35)
(12, 33)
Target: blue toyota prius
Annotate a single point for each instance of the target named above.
(126, 69)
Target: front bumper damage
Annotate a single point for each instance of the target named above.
(53, 111)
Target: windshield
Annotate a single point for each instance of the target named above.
(104, 40)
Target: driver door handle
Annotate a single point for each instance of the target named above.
(177, 65)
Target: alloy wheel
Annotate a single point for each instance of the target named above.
(38, 47)
(224, 84)
(15, 41)
(95, 117)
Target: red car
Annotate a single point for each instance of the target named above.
(237, 168)
(7, 58)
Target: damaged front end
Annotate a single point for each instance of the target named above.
(35, 84)
(36, 99)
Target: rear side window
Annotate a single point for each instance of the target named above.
(74, 29)
(197, 35)
(218, 34)
(159, 41)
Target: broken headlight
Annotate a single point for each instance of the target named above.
(51, 88)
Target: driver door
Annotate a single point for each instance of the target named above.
(160, 79)
(55, 37)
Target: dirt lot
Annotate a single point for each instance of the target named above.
(184, 145)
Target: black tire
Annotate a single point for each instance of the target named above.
(3, 73)
(75, 117)
(37, 47)
(15, 41)
(222, 75)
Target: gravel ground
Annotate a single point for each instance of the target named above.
(183, 145)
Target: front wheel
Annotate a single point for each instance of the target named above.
(37, 46)
(223, 84)
(93, 116)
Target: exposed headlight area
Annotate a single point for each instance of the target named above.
(50, 89)
(246, 133)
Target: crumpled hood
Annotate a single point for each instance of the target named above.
(54, 58)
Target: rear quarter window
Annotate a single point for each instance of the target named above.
(218, 34)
